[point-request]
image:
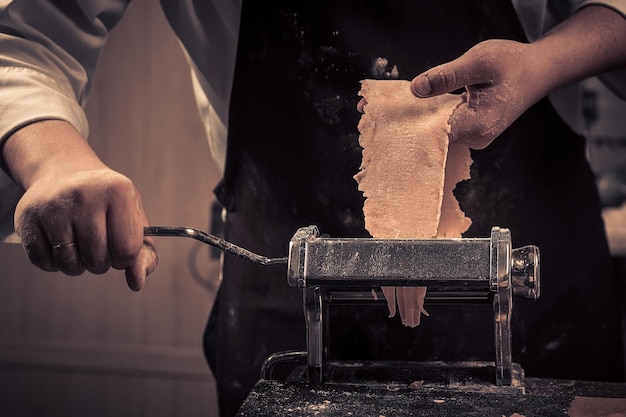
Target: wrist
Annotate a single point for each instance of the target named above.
(46, 150)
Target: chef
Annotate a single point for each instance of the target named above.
(277, 83)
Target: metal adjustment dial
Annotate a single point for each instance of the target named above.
(525, 272)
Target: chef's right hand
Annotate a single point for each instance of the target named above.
(503, 78)
(77, 214)
(495, 75)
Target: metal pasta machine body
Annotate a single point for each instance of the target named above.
(464, 269)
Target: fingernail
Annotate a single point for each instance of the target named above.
(134, 283)
(421, 86)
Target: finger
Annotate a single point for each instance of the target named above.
(67, 257)
(144, 265)
(449, 77)
(91, 240)
(125, 221)
(65, 254)
(37, 247)
(470, 127)
(34, 240)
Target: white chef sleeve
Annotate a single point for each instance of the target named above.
(48, 53)
(614, 80)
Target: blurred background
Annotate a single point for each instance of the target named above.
(88, 346)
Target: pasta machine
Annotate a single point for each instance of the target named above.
(330, 270)
(472, 269)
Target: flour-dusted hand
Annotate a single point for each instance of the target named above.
(503, 78)
(492, 75)
(77, 214)
(86, 221)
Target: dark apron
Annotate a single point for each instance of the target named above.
(293, 149)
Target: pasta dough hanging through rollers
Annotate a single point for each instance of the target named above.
(408, 172)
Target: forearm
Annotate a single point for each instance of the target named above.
(47, 150)
(589, 43)
(46, 65)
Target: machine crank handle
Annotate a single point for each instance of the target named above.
(212, 240)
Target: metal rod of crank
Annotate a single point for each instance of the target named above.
(212, 240)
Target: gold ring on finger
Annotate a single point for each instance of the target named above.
(66, 245)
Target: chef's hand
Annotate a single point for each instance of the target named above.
(77, 214)
(497, 90)
(504, 78)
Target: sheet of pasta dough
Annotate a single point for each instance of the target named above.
(408, 173)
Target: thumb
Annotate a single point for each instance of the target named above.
(449, 77)
(145, 263)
